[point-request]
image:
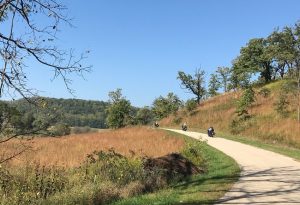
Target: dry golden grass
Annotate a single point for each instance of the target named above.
(266, 123)
(71, 151)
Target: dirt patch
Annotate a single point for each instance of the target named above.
(173, 164)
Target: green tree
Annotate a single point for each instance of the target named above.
(144, 116)
(118, 112)
(213, 85)
(254, 58)
(164, 106)
(194, 84)
(224, 76)
(239, 78)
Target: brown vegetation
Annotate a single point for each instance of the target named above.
(71, 151)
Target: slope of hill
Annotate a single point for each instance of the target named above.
(74, 112)
(265, 123)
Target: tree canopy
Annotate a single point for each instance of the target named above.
(194, 84)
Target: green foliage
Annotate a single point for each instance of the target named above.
(245, 102)
(111, 166)
(60, 130)
(9, 119)
(73, 112)
(194, 84)
(194, 154)
(223, 76)
(31, 184)
(274, 56)
(239, 77)
(165, 106)
(144, 116)
(213, 85)
(118, 112)
(191, 105)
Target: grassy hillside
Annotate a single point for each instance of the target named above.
(265, 123)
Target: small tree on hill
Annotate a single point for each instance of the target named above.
(247, 99)
(194, 84)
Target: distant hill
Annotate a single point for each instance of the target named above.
(74, 112)
(265, 122)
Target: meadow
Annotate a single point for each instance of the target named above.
(71, 151)
(109, 168)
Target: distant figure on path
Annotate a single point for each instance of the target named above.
(211, 132)
(156, 124)
(184, 127)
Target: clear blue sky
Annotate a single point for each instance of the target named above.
(140, 45)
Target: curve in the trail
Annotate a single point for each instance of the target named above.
(266, 177)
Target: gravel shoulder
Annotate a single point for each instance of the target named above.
(266, 177)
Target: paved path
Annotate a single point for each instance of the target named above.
(266, 177)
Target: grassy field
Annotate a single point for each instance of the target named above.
(222, 171)
(71, 151)
(107, 177)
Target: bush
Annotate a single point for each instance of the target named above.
(281, 105)
(31, 184)
(191, 105)
(60, 130)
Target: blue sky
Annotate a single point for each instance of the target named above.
(140, 45)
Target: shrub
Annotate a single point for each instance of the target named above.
(191, 105)
(31, 184)
(60, 130)
(281, 105)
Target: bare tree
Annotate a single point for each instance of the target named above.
(28, 33)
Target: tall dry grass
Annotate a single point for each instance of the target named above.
(71, 151)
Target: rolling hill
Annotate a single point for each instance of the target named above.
(265, 123)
